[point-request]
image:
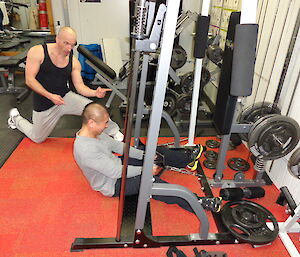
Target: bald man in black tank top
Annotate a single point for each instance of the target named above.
(49, 68)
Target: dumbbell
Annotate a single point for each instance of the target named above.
(232, 194)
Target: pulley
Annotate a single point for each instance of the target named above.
(179, 57)
(247, 221)
(273, 136)
(294, 164)
(254, 112)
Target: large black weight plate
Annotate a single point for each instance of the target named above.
(187, 80)
(238, 164)
(210, 164)
(169, 104)
(179, 57)
(212, 143)
(211, 155)
(274, 136)
(294, 164)
(254, 112)
(247, 221)
(184, 104)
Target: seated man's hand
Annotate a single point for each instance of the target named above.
(100, 92)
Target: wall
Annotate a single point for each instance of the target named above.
(290, 105)
(94, 21)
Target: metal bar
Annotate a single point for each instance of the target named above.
(132, 81)
(196, 86)
(140, 104)
(157, 107)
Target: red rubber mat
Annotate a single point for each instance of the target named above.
(45, 203)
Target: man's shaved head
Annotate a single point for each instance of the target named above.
(66, 30)
(93, 111)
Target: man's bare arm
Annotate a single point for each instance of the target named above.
(81, 87)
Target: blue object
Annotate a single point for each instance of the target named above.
(87, 71)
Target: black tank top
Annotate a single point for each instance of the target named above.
(53, 79)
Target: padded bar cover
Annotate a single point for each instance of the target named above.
(97, 62)
(243, 59)
(201, 36)
(14, 61)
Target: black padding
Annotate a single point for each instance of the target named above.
(243, 59)
(13, 61)
(8, 45)
(97, 62)
(226, 103)
(201, 36)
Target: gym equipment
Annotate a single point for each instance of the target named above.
(255, 112)
(273, 136)
(211, 155)
(291, 225)
(239, 176)
(233, 194)
(187, 80)
(210, 164)
(184, 104)
(142, 235)
(179, 57)
(212, 143)
(294, 164)
(11, 64)
(247, 221)
(215, 54)
(170, 102)
(238, 164)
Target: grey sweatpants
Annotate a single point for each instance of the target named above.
(44, 122)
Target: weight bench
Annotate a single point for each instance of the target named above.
(10, 65)
(106, 75)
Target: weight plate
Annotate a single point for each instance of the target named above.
(247, 221)
(239, 176)
(187, 80)
(170, 103)
(205, 77)
(211, 155)
(294, 164)
(274, 137)
(254, 112)
(179, 57)
(212, 143)
(238, 164)
(184, 104)
(210, 164)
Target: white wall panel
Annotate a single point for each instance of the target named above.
(94, 21)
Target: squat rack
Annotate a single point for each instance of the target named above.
(138, 236)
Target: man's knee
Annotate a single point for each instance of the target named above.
(38, 139)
